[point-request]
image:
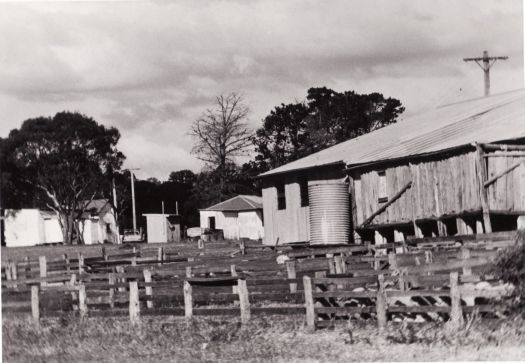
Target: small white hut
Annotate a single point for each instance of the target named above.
(31, 227)
(162, 228)
(238, 217)
(98, 223)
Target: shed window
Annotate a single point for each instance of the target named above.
(303, 186)
(281, 197)
(383, 196)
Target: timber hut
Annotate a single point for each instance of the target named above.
(457, 169)
(238, 217)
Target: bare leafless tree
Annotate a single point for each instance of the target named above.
(221, 133)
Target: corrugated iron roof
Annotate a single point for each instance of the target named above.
(238, 203)
(488, 119)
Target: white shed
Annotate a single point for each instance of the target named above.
(31, 227)
(238, 217)
(162, 228)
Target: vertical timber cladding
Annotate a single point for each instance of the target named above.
(440, 186)
(506, 193)
(329, 213)
(284, 225)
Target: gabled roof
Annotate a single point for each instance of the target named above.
(488, 119)
(237, 204)
(95, 207)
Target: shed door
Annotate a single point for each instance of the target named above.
(172, 230)
(211, 223)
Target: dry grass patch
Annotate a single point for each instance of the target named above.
(266, 339)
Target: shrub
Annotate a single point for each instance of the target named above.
(510, 267)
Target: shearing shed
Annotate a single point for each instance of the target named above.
(457, 169)
(238, 217)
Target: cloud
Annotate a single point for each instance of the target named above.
(151, 68)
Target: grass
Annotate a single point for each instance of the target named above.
(265, 339)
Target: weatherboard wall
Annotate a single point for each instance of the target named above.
(235, 225)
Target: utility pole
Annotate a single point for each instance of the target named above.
(133, 200)
(115, 206)
(487, 63)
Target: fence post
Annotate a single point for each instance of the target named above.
(43, 269)
(309, 303)
(28, 267)
(338, 260)
(7, 270)
(120, 270)
(242, 245)
(160, 255)
(392, 261)
(35, 303)
(292, 274)
(456, 313)
(343, 262)
(149, 289)
(381, 303)
(331, 265)
(80, 263)
(188, 300)
(14, 271)
(465, 255)
(244, 301)
(188, 271)
(82, 301)
(134, 260)
(134, 305)
(235, 289)
(111, 281)
(66, 263)
(73, 279)
(200, 244)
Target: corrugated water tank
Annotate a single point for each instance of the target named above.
(329, 213)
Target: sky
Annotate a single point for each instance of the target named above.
(150, 68)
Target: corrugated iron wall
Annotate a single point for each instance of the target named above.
(329, 213)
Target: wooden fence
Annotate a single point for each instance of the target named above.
(328, 284)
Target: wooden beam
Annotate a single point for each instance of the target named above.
(82, 301)
(134, 305)
(309, 303)
(504, 155)
(481, 171)
(35, 303)
(43, 269)
(506, 171)
(188, 300)
(387, 204)
(456, 313)
(149, 289)
(503, 147)
(291, 269)
(244, 301)
(381, 303)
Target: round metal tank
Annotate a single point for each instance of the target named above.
(329, 213)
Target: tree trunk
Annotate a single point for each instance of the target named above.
(67, 227)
